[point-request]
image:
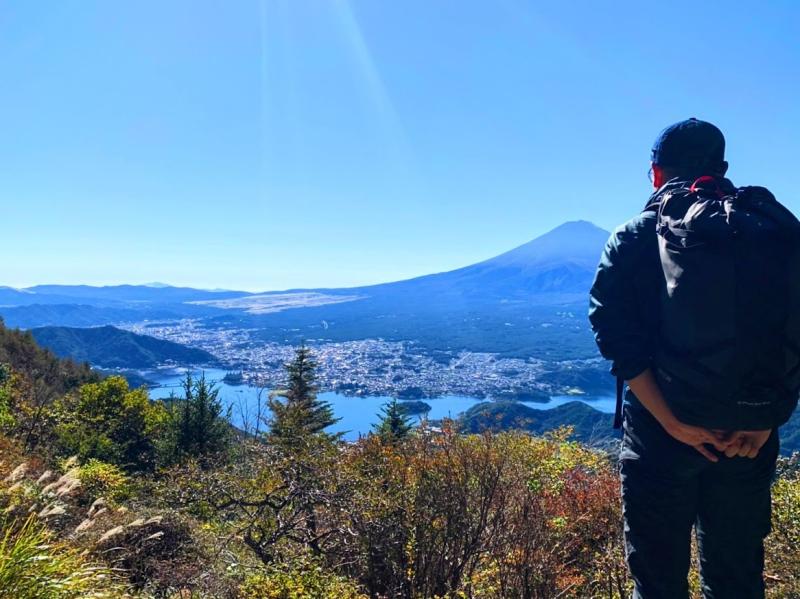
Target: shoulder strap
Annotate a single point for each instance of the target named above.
(618, 408)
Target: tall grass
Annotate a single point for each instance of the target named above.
(32, 567)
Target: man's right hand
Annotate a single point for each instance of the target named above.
(697, 437)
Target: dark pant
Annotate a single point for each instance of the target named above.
(667, 487)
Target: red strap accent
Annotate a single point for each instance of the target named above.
(704, 180)
(707, 182)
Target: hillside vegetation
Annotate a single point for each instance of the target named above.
(588, 425)
(119, 496)
(110, 347)
(19, 351)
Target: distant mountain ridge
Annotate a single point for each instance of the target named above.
(521, 303)
(110, 347)
(556, 266)
(560, 261)
(528, 302)
(156, 293)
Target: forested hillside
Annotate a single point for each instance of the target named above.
(111, 347)
(20, 352)
(105, 493)
(588, 425)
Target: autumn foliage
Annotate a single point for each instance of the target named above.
(419, 513)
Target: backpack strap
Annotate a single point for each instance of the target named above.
(708, 183)
(618, 408)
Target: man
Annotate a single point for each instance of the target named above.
(677, 472)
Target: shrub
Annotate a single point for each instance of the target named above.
(783, 545)
(7, 419)
(32, 567)
(100, 479)
(112, 423)
(493, 516)
(304, 578)
(11, 455)
(158, 554)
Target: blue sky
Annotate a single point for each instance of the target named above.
(290, 143)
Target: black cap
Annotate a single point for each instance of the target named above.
(690, 144)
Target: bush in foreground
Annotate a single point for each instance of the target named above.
(110, 422)
(303, 579)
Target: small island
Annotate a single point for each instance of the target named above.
(414, 407)
(411, 392)
(523, 395)
(234, 378)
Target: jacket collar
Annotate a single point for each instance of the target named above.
(678, 182)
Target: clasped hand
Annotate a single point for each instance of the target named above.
(744, 444)
(731, 443)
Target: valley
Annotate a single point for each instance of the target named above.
(511, 329)
(405, 368)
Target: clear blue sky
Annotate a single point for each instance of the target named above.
(287, 143)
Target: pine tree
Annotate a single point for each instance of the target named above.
(394, 424)
(297, 432)
(200, 422)
(296, 410)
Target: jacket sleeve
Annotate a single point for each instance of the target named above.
(615, 313)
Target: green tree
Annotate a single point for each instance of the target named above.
(200, 424)
(296, 410)
(110, 422)
(6, 415)
(394, 424)
(301, 487)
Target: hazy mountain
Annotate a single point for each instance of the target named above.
(555, 267)
(23, 297)
(110, 347)
(562, 261)
(9, 295)
(153, 293)
(83, 315)
(529, 301)
(559, 262)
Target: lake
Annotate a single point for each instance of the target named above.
(357, 414)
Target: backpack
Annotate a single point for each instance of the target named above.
(728, 349)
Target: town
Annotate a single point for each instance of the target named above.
(390, 368)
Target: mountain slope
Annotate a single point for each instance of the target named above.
(19, 350)
(555, 267)
(528, 302)
(590, 425)
(562, 261)
(578, 242)
(111, 347)
(83, 315)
